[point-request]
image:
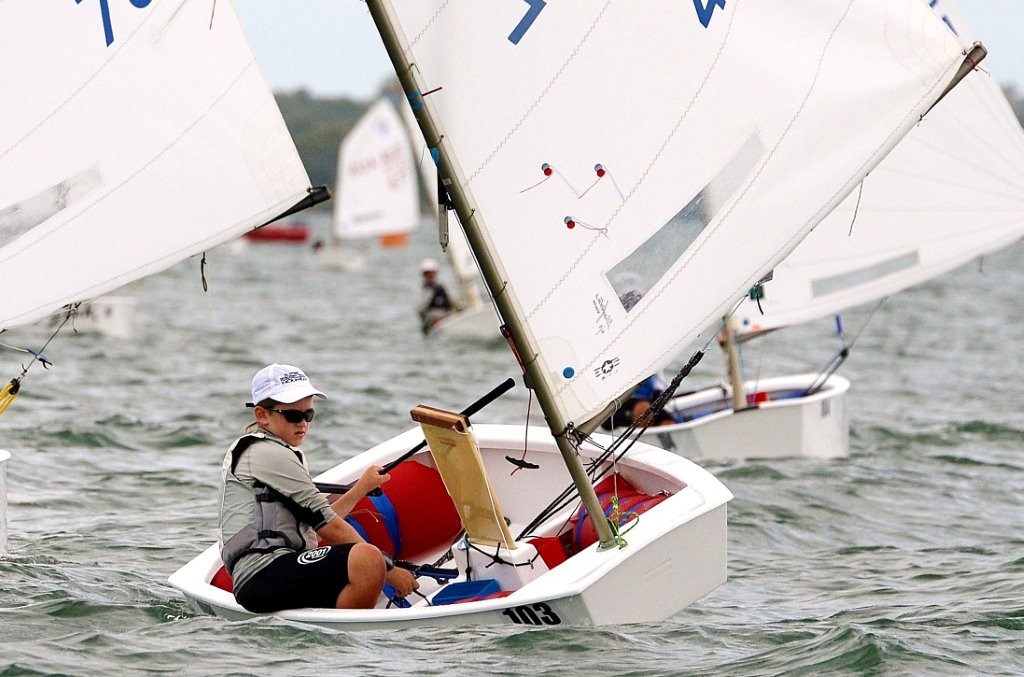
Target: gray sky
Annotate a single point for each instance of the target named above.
(330, 48)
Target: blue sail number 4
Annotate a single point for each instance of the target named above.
(705, 9)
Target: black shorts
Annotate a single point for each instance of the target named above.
(312, 578)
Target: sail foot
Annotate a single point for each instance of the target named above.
(315, 196)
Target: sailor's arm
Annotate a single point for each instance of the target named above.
(371, 479)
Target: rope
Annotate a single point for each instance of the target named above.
(521, 462)
(597, 468)
(10, 391)
(837, 360)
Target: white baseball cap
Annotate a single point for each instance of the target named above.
(282, 383)
(428, 265)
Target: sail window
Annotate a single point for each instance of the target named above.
(21, 217)
(837, 283)
(639, 272)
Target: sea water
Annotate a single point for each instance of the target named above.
(907, 557)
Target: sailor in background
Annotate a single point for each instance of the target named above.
(435, 303)
(639, 402)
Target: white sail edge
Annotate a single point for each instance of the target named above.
(163, 170)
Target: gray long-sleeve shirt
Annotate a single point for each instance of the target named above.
(298, 510)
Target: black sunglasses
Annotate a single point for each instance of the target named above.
(295, 415)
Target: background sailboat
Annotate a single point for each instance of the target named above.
(475, 318)
(951, 191)
(110, 168)
(377, 194)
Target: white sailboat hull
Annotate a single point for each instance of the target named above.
(783, 424)
(676, 551)
(107, 316)
(478, 323)
(339, 257)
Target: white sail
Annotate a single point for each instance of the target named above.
(631, 171)
(132, 138)
(459, 255)
(426, 171)
(377, 186)
(952, 190)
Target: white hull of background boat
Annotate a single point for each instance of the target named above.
(339, 257)
(782, 423)
(479, 323)
(676, 550)
(107, 316)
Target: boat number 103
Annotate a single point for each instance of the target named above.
(532, 614)
(705, 10)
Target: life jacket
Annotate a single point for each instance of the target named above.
(440, 299)
(277, 520)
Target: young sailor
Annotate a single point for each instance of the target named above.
(272, 516)
(639, 402)
(435, 303)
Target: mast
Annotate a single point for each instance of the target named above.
(729, 341)
(469, 217)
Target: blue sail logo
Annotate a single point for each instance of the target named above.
(524, 24)
(108, 28)
(706, 9)
(942, 15)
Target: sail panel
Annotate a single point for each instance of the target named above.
(131, 140)
(653, 259)
(426, 170)
(952, 190)
(579, 137)
(459, 255)
(378, 190)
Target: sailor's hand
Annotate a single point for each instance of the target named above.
(373, 477)
(402, 581)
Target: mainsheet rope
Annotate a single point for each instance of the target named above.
(10, 391)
